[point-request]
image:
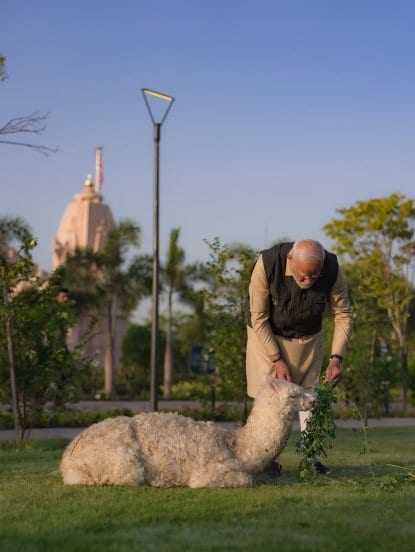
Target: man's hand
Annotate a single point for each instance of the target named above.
(333, 372)
(282, 371)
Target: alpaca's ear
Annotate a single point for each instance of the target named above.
(271, 382)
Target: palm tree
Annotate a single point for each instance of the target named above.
(103, 283)
(174, 275)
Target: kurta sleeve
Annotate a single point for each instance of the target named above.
(342, 312)
(259, 298)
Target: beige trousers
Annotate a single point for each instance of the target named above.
(304, 357)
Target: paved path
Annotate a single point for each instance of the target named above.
(70, 432)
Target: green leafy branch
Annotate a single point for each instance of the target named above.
(319, 433)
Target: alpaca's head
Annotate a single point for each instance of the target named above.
(289, 395)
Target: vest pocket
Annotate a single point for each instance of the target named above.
(317, 307)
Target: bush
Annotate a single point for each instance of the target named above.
(65, 417)
(70, 417)
(220, 413)
(199, 389)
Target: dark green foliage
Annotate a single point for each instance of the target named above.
(174, 275)
(45, 369)
(222, 412)
(108, 282)
(229, 271)
(319, 433)
(371, 365)
(97, 279)
(64, 417)
(133, 377)
(71, 417)
(377, 240)
(34, 358)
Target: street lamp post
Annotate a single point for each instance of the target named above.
(155, 288)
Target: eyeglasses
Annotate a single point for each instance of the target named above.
(303, 277)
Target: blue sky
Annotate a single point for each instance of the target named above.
(284, 112)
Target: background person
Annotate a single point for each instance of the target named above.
(62, 295)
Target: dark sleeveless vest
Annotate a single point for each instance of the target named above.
(296, 312)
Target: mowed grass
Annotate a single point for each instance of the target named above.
(357, 508)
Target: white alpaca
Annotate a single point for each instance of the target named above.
(166, 450)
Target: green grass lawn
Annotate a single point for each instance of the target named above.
(357, 508)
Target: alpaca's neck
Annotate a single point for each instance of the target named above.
(263, 437)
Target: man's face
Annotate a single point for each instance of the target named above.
(305, 273)
(61, 297)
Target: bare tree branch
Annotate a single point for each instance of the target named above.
(3, 74)
(28, 123)
(44, 150)
(33, 124)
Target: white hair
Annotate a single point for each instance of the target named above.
(309, 251)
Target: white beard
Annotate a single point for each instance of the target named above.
(302, 285)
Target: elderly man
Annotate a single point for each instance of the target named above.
(291, 284)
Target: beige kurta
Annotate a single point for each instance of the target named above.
(303, 355)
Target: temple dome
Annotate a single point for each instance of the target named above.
(85, 224)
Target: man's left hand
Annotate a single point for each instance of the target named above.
(333, 372)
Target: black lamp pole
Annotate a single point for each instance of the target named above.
(156, 269)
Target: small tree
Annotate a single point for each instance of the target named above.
(32, 346)
(229, 271)
(369, 362)
(133, 380)
(377, 239)
(15, 269)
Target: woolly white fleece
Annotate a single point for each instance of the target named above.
(166, 450)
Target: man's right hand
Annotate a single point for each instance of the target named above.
(282, 371)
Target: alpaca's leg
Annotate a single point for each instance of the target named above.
(224, 474)
(116, 467)
(126, 470)
(74, 476)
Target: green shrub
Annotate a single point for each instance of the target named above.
(220, 413)
(196, 389)
(65, 418)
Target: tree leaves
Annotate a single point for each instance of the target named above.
(377, 240)
(319, 433)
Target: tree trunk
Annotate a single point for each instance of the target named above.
(168, 352)
(368, 379)
(405, 376)
(401, 332)
(109, 356)
(15, 404)
(10, 356)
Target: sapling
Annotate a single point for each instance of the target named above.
(319, 433)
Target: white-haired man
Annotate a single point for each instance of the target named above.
(290, 286)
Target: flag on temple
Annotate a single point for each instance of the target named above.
(99, 175)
